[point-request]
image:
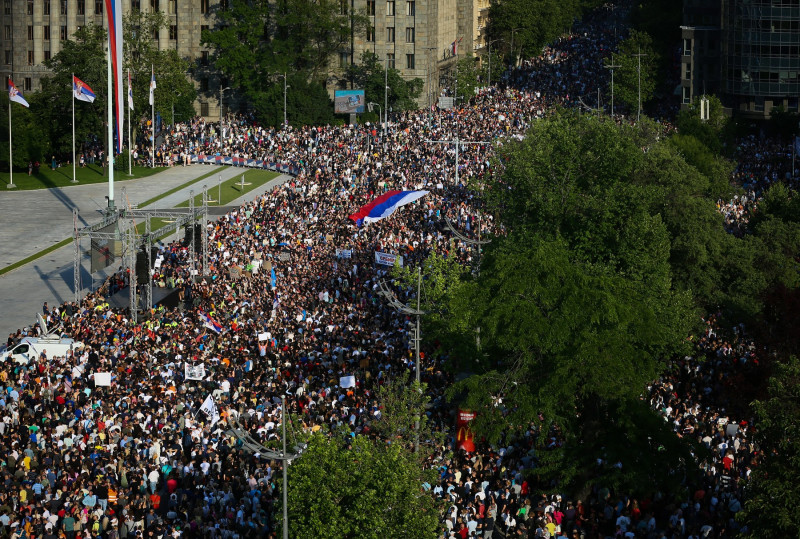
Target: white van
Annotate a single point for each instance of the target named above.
(29, 348)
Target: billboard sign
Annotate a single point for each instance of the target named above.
(349, 101)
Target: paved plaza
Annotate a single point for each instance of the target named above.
(35, 220)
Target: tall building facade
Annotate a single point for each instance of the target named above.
(415, 36)
(745, 51)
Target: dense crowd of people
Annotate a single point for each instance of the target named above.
(137, 458)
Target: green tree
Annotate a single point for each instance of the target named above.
(773, 490)
(29, 136)
(371, 73)
(529, 24)
(174, 91)
(84, 57)
(345, 486)
(627, 76)
(256, 42)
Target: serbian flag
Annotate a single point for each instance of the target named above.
(15, 96)
(385, 205)
(114, 12)
(82, 90)
(130, 91)
(210, 323)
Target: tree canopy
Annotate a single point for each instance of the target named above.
(370, 73)
(257, 42)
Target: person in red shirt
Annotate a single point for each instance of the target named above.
(155, 499)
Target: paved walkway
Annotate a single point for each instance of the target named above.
(38, 219)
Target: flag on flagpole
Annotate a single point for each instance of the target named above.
(130, 91)
(209, 408)
(152, 87)
(15, 96)
(82, 90)
(114, 12)
(210, 323)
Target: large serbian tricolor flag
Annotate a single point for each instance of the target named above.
(385, 205)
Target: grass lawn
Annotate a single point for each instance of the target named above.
(62, 176)
(231, 189)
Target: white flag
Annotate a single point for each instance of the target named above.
(152, 86)
(347, 381)
(194, 372)
(209, 408)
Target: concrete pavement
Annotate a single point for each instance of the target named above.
(35, 220)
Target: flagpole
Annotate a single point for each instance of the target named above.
(110, 96)
(74, 179)
(10, 158)
(153, 114)
(130, 142)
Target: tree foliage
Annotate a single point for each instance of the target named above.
(83, 56)
(353, 486)
(256, 42)
(770, 509)
(370, 74)
(530, 24)
(142, 56)
(627, 77)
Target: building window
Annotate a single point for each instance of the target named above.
(30, 7)
(173, 7)
(63, 7)
(342, 7)
(410, 61)
(98, 7)
(687, 46)
(8, 32)
(223, 4)
(136, 5)
(154, 5)
(28, 84)
(30, 33)
(8, 57)
(390, 8)
(46, 55)
(411, 8)
(688, 72)
(204, 84)
(687, 94)
(203, 6)
(390, 34)
(46, 7)
(370, 33)
(390, 60)
(410, 34)
(63, 33)
(344, 59)
(203, 109)
(46, 33)
(81, 7)
(155, 34)
(7, 7)
(204, 58)
(173, 32)
(371, 8)
(30, 58)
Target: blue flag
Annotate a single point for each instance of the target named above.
(273, 281)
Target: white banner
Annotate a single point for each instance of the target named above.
(194, 372)
(102, 379)
(265, 336)
(209, 408)
(388, 259)
(347, 381)
(344, 253)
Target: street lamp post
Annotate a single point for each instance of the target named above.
(285, 122)
(490, 60)
(402, 308)
(380, 111)
(221, 89)
(513, 58)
